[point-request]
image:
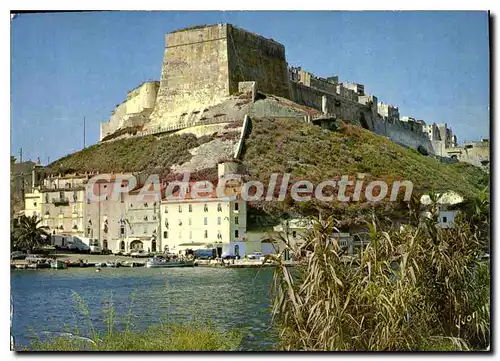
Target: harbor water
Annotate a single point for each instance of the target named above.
(44, 301)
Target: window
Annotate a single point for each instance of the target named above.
(236, 206)
(205, 221)
(145, 229)
(122, 230)
(180, 222)
(236, 233)
(206, 233)
(165, 234)
(219, 235)
(166, 210)
(180, 209)
(205, 208)
(180, 235)
(166, 223)
(190, 234)
(218, 221)
(190, 208)
(189, 221)
(219, 207)
(236, 220)
(61, 195)
(445, 219)
(34, 204)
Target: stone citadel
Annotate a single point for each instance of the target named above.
(213, 75)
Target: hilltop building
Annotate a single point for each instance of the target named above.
(476, 153)
(389, 113)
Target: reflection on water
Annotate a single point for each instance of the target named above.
(230, 298)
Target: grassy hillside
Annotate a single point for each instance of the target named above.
(290, 146)
(143, 154)
(309, 152)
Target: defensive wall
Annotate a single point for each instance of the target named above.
(134, 110)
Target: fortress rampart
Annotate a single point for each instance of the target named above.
(134, 111)
(207, 68)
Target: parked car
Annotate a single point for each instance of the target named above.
(18, 255)
(139, 253)
(35, 258)
(255, 255)
(228, 256)
(204, 254)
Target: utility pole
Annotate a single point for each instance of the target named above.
(83, 132)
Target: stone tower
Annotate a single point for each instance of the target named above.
(203, 65)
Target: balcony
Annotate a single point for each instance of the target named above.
(60, 202)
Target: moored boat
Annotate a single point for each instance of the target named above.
(113, 264)
(58, 264)
(163, 263)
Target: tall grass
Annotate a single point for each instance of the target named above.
(191, 336)
(417, 288)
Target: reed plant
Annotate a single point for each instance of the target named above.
(420, 287)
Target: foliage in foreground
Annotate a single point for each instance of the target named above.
(191, 336)
(163, 337)
(417, 288)
(30, 234)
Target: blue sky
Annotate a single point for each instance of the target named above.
(67, 66)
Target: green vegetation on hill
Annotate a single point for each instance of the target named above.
(141, 154)
(309, 152)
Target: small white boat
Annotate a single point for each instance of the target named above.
(112, 264)
(100, 264)
(163, 263)
(58, 264)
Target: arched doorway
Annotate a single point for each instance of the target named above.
(136, 245)
(237, 250)
(122, 246)
(105, 244)
(153, 245)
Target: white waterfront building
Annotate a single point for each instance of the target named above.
(210, 222)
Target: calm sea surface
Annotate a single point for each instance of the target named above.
(238, 299)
